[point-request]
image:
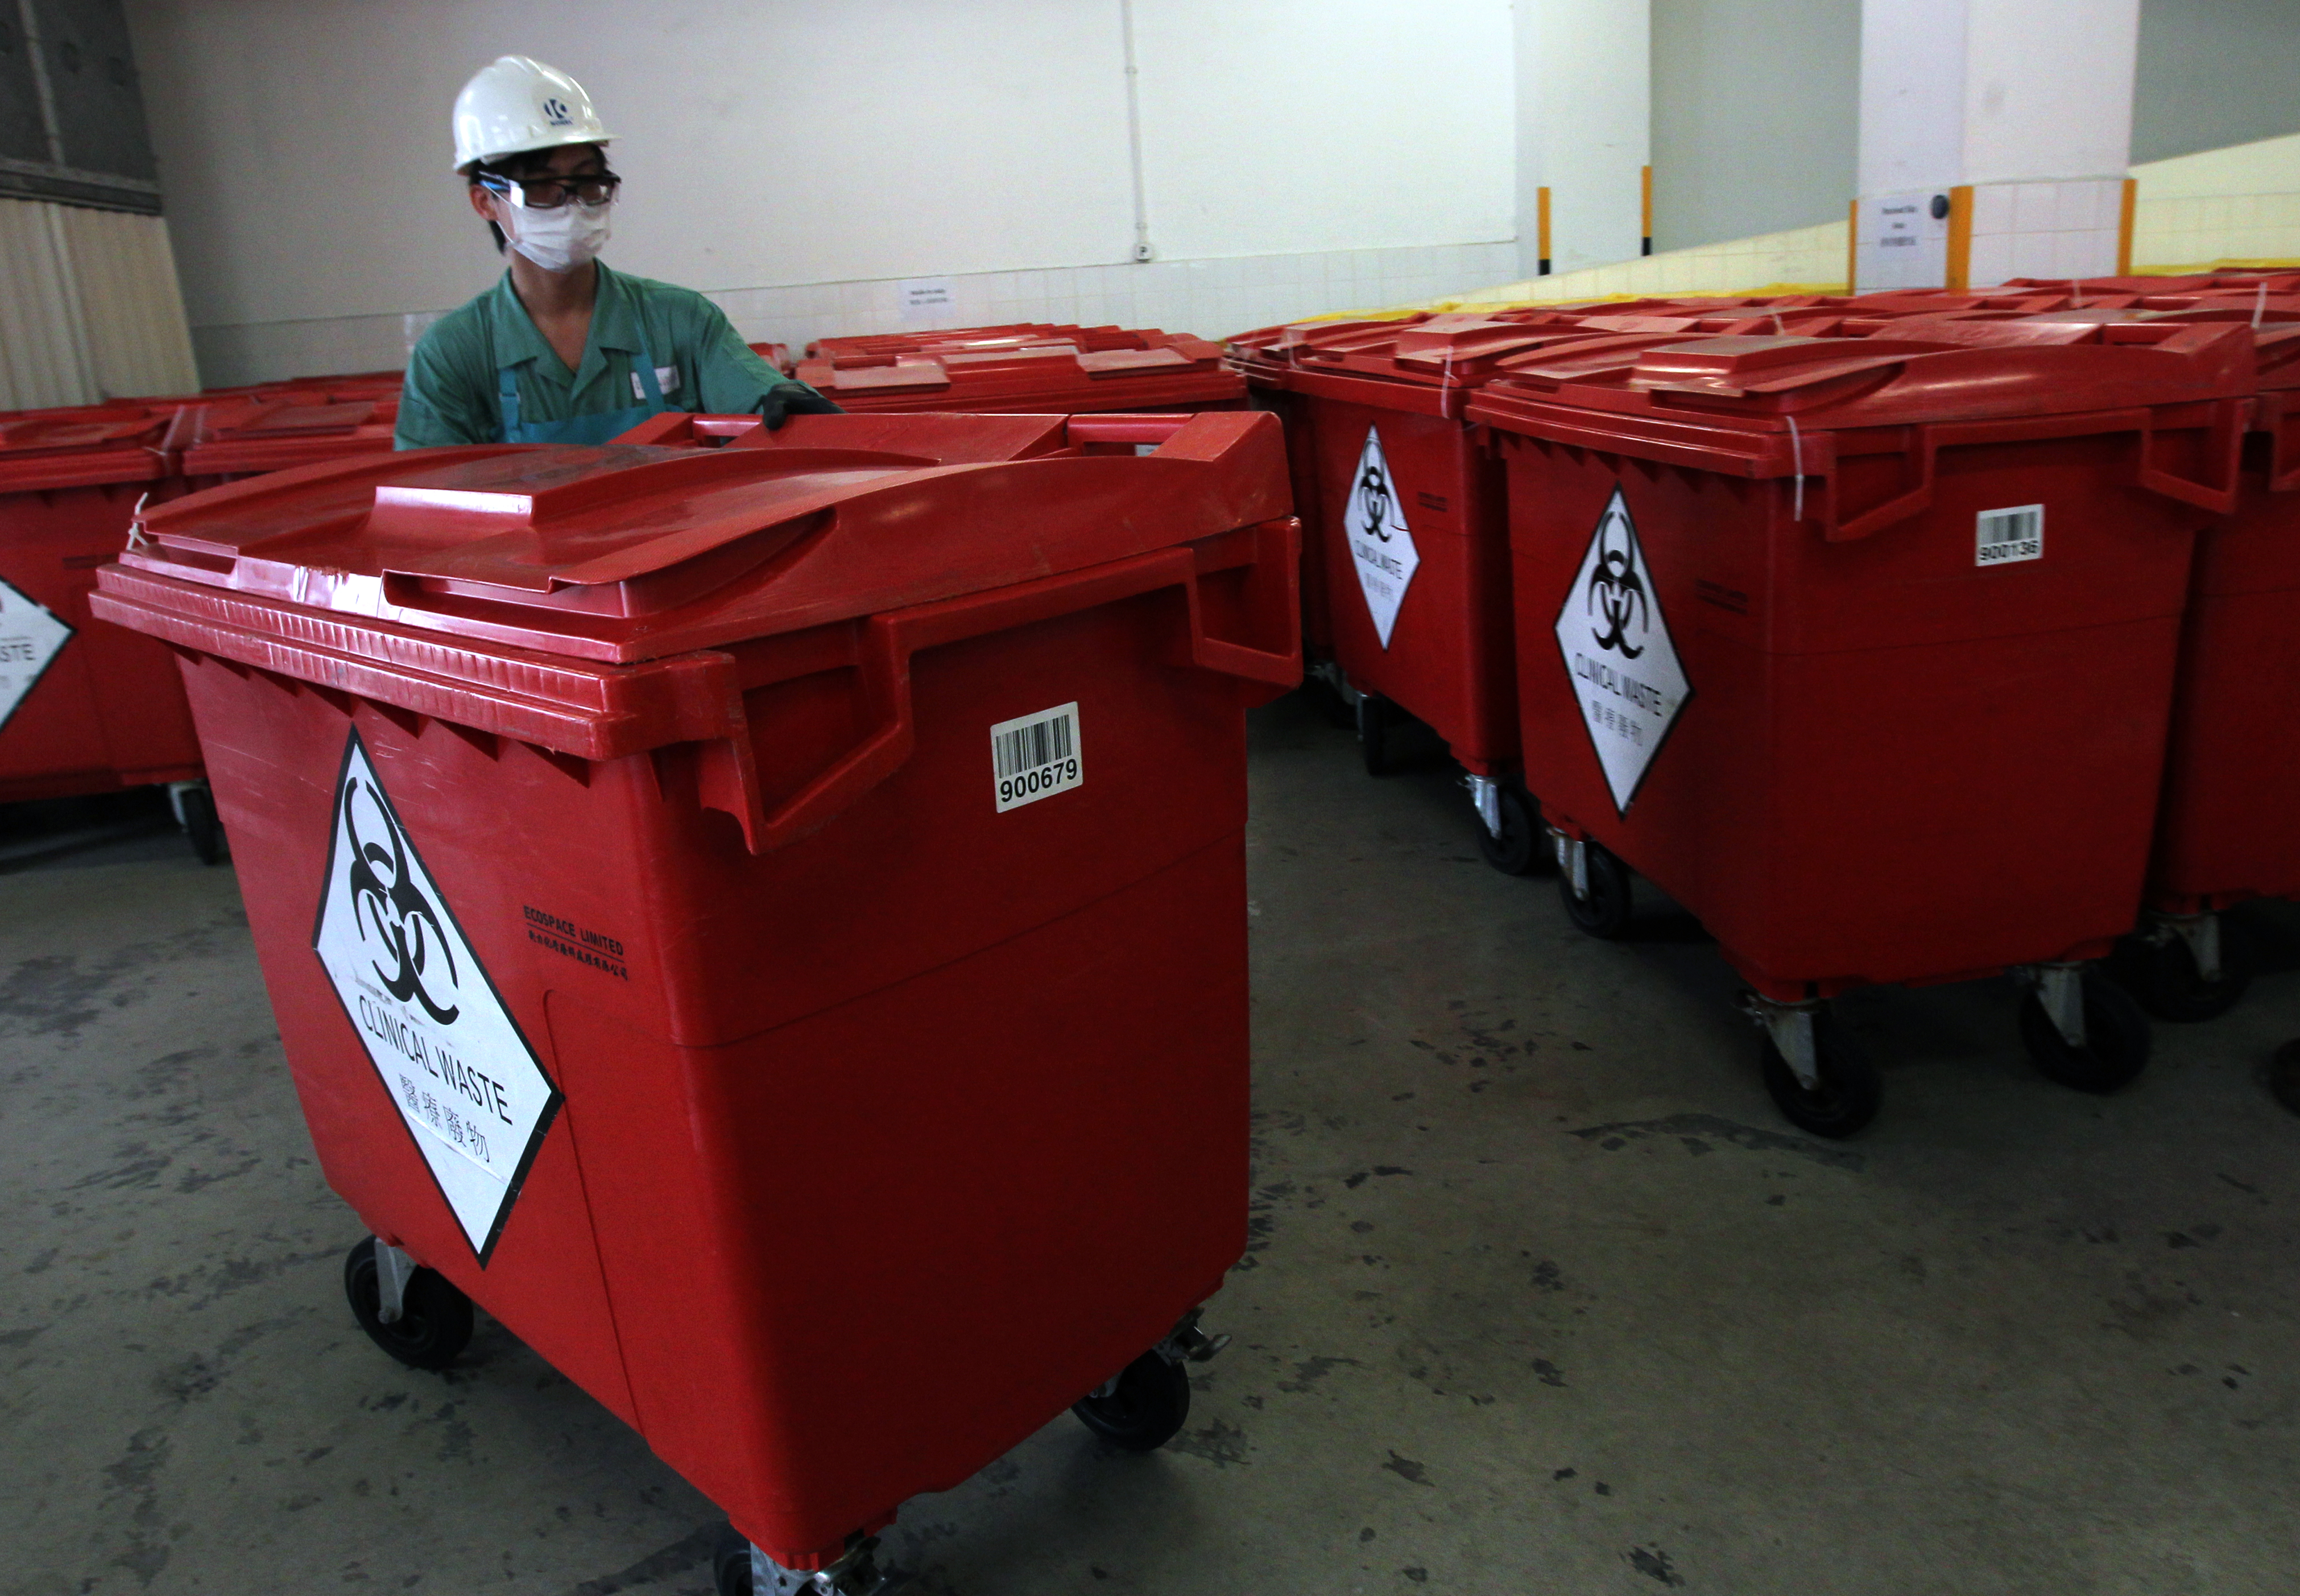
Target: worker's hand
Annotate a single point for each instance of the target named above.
(791, 400)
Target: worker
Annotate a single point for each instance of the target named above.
(562, 349)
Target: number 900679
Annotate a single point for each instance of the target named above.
(1031, 783)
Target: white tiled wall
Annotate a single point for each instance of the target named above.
(1809, 258)
(2196, 229)
(1211, 297)
(2044, 229)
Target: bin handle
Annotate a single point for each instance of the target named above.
(2227, 443)
(1146, 428)
(2226, 456)
(889, 640)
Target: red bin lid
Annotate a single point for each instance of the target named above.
(628, 552)
(1029, 376)
(85, 447)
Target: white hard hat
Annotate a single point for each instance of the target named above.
(516, 103)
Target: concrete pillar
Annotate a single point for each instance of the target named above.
(1583, 130)
(1995, 136)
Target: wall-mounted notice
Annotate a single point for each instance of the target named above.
(927, 298)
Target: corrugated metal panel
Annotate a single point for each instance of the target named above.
(43, 353)
(89, 307)
(129, 303)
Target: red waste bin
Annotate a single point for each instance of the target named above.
(1413, 542)
(1864, 651)
(2225, 828)
(85, 707)
(1170, 372)
(753, 887)
(249, 437)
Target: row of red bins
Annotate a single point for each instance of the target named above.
(1901, 639)
(711, 895)
(85, 707)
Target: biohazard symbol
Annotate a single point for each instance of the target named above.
(1374, 482)
(1616, 593)
(386, 897)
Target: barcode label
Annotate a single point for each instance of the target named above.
(2003, 536)
(1035, 756)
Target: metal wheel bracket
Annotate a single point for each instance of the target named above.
(855, 1574)
(1186, 1343)
(176, 790)
(1487, 794)
(1332, 674)
(393, 1270)
(2060, 989)
(1574, 861)
(1789, 1025)
(2201, 933)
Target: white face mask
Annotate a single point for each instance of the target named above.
(559, 239)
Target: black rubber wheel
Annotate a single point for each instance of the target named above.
(1523, 840)
(1611, 904)
(435, 1320)
(2284, 1075)
(1373, 733)
(202, 827)
(2163, 974)
(1146, 1408)
(1326, 699)
(1851, 1091)
(2116, 1038)
(730, 1563)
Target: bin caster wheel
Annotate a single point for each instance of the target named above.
(2116, 1038)
(1373, 733)
(200, 824)
(1143, 1409)
(1851, 1089)
(1601, 902)
(435, 1319)
(1518, 847)
(731, 1564)
(2160, 971)
(2284, 1075)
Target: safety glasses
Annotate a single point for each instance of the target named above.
(548, 194)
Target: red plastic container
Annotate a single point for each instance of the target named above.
(680, 783)
(1169, 372)
(84, 706)
(249, 437)
(1412, 545)
(1798, 643)
(2226, 829)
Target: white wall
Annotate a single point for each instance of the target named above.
(1273, 125)
(1584, 120)
(774, 147)
(2048, 88)
(1757, 111)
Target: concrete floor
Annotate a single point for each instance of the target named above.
(1543, 1296)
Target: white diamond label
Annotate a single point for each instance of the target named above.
(31, 636)
(1617, 650)
(1381, 546)
(1035, 756)
(455, 1064)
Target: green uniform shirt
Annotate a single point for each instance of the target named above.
(700, 363)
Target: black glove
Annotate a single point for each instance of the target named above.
(793, 398)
